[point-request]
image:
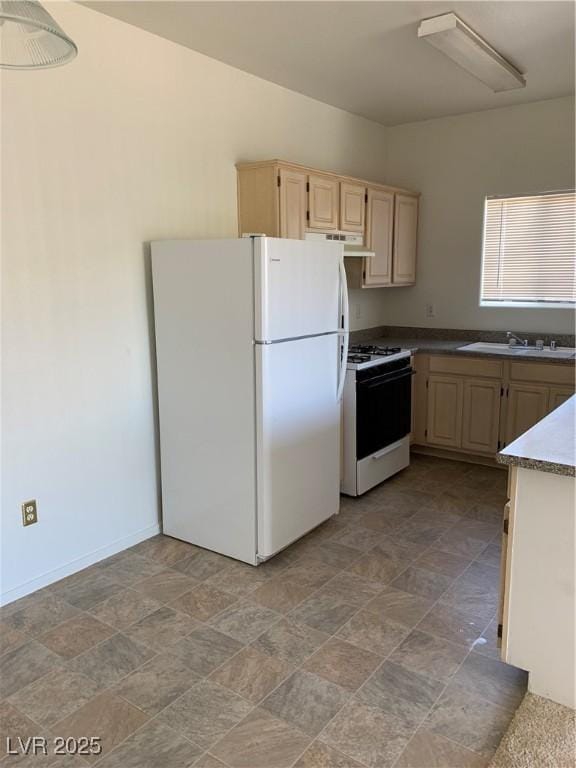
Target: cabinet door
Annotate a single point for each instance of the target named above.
(352, 207)
(481, 415)
(292, 204)
(558, 395)
(405, 239)
(527, 404)
(379, 229)
(444, 421)
(258, 200)
(323, 202)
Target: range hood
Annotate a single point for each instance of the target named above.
(353, 242)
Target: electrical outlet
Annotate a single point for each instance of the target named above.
(430, 310)
(29, 512)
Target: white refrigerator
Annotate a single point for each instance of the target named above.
(251, 344)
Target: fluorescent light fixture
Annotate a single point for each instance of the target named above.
(460, 43)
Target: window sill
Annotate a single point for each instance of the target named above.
(528, 305)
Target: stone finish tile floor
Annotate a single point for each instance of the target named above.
(370, 643)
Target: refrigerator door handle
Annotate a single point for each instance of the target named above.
(345, 330)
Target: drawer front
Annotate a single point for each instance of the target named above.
(374, 469)
(542, 372)
(470, 366)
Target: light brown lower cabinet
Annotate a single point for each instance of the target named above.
(527, 404)
(477, 406)
(558, 395)
(481, 415)
(463, 413)
(444, 424)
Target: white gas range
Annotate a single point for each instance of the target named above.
(377, 407)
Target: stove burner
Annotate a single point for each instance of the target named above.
(358, 358)
(372, 349)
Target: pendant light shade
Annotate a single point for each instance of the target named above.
(30, 38)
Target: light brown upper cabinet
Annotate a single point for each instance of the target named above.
(391, 232)
(293, 203)
(283, 199)
(379, 238)
(259, 195)
(323, 203)
(405, 240)
(352, 207)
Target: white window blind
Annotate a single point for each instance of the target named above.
(529, 252)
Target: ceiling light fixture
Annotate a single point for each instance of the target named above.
(30, 38)
(460, 43)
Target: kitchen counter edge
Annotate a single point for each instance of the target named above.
(548, 446)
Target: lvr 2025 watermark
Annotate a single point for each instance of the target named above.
(59, 745)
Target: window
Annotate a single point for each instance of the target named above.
(529, 251)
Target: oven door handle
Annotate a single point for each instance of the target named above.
(386, 379)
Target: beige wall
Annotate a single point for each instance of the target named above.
(455, 162)
(133, 141)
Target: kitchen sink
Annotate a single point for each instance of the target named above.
(485, 348)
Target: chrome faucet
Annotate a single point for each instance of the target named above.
(512, 339)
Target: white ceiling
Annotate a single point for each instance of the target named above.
(365, 57)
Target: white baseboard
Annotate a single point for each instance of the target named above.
(77, 565)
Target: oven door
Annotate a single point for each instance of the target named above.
(383, 411)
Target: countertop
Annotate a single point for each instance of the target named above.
(548, 446)
(450, 347)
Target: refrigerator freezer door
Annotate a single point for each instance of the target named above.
(298, 439)
(297, 285)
